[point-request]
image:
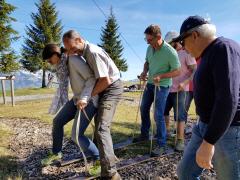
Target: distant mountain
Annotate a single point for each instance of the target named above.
(25, 79)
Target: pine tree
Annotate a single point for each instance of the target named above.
(8, 57)
(46, 29)
(111, 43)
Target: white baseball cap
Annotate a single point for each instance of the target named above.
(170, 36)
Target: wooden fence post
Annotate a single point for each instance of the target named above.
(3, 79)
(4, 92)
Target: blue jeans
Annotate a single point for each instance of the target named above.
(147, 100)
(172, 103)
(66, 114)
(226, 159)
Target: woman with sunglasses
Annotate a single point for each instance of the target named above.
(82, 82)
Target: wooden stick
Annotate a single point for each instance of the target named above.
(4, 92)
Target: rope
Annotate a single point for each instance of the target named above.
(93, 127)
(105, 15)
(75, 135)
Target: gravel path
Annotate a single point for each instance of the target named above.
(28, 97)
(31, 141)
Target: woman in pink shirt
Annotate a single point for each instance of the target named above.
(177, 95)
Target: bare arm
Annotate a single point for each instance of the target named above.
(143, 75)
(146, 67)
(192, 69)
(101, 85)
(170, 74)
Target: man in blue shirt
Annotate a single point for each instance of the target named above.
(216, 95)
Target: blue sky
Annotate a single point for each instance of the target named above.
(133, 16)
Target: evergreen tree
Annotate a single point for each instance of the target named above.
(111, 43)
(8, 63)
(46, 29)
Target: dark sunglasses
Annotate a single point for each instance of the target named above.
(149, 39)
(173, 44)
(182, 42)
(49, 57)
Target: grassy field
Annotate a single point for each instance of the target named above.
(30, 91)
(8, 165)
(123, 126)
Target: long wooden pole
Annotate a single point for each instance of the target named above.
(4, 92)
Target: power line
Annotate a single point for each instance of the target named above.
(131, 48)
(100, 9)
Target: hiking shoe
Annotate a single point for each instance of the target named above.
(140, 138)
(180, 145)
(116, 176)
(158, 151)
(51, 158)
(95, 170)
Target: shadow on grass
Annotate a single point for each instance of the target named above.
(123, 131)
(9, 168)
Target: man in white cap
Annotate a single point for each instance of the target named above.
(177, 95)
(216, 95)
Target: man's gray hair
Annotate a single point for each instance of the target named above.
(206, 30)
(71, 34)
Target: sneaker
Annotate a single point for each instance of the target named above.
(140, 138)
(180, 145)
(51, 158)
(158, 151)
(95, 170)
(116, 176)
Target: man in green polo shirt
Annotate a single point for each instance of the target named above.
(161, 65)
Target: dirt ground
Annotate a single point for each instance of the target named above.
(31, 140)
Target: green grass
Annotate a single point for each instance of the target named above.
(4, 139)
(9, 168)
(122, 126)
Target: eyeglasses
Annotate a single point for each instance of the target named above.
(182, 42)
(49, 60)
(149, 39)
(173, 44)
